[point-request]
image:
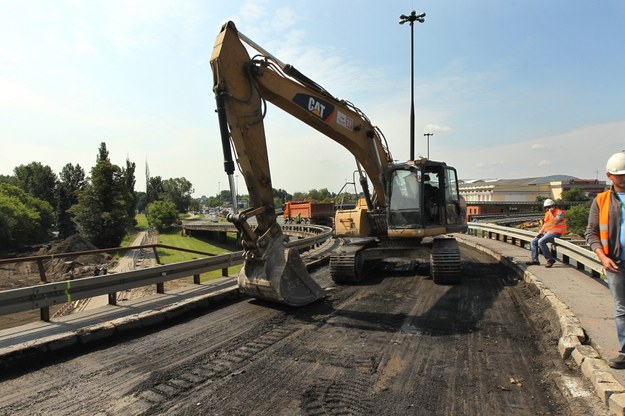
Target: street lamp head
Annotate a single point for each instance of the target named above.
(413, 16)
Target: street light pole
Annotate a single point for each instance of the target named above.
(428, 135)
(411, 19)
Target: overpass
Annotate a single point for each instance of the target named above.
(574, 290)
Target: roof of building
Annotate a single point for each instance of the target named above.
(519, 182)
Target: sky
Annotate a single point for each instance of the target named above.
(509, 89)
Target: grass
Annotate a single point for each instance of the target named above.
(142, 225)
(173, 238)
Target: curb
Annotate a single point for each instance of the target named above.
(573, 342)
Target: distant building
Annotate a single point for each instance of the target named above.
(501, 196)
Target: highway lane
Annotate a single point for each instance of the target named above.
(395, 344)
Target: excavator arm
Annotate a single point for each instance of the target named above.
(242, 86)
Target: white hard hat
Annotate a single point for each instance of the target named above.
(549, 203)
(616, 164)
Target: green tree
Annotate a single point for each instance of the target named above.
(128, 175)
(321, 195)
(214, 201)
(9, 179)
(178, 191)
(299, 196)
(142, 201)
(161, 214)
(539, 203)
(577, 219)
(101, 214)
(195, 205)
(71, 182)
(24, 219)
(282, 195)
(38, 180)
(575, 195)
(154, 189)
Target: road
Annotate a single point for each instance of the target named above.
(396, 344)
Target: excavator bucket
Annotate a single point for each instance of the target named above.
(279, 276)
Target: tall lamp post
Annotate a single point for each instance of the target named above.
(411, 19)
(428, 136)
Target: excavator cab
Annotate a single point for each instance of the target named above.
(423, 198)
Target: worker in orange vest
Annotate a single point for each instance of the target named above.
(554, 226)
(606, 236)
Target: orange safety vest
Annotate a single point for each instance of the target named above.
(603, 202)
(551, 226)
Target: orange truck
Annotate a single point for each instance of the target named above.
(307, 212)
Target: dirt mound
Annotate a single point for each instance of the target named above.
(58, 268)
(69, 245)
(15, 275)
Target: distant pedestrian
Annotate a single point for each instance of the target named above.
(105, 269)
(71, 274)
(606, 236)
(96, 271)
(554, 226)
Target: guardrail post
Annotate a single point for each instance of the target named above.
(113, 299)
(160, 288)
(158, 259)
(196, 279)
(224, 272)
(566, 259)
(44, 313)
(42, 271)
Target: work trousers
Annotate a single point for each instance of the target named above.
(616, 282)
(541, 243)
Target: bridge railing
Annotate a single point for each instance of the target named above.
(45, 295)
(576, 255)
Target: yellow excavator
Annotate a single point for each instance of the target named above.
(409, 213)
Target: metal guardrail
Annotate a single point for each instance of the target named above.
(48, 294)
(569, 253)
(504, 219)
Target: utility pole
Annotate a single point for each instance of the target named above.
(428, 136)
(411, 19)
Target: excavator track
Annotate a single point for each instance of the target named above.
(445, 261)
(347, 264)
(346, 268)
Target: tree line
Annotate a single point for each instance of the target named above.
(101, 207)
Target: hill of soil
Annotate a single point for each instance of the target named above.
(57, 268)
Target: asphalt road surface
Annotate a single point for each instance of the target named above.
(396, 344)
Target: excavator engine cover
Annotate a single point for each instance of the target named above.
(279, 275)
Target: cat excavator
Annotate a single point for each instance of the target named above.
(409, 213)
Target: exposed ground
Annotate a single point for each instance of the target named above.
(397, 344)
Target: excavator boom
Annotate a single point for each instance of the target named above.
(242, 86)
(270, 271)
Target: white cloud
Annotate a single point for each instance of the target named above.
(571, 153)
(435, 128)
